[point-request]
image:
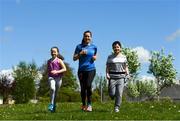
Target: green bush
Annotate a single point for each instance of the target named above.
(95, 96)
(44, 99)
(166, 100)
(68, 95)
(24, 74)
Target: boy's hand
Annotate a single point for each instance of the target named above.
(107, 76)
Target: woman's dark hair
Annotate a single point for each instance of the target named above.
(84, 35)
(59, 55)
(115, 43)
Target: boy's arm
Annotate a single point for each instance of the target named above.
(107, 72)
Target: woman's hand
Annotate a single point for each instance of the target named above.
(83, 52)
(94, 57)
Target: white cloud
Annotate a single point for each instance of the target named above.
(173, 36)
(8, 71)
(145, 77)
(143, 54)
(8, 29)
(18, 1)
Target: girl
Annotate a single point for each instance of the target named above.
(86, 53)
(116, 71)
(56, 67)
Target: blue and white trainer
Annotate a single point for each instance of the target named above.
(51, 107)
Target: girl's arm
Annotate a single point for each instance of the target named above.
(63, 66)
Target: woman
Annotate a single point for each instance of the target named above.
(86, 54)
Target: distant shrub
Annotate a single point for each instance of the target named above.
(44, 99)
(95, 96)
(166, 100)
(68, 95)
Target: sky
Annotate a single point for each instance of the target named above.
(29, 28)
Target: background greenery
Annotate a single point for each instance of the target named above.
(156, 110)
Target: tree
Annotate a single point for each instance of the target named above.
(96, 81)
(43, 89)
(25, 74)
(132, 59)
(133, 66)
(142, 89)
(132, 90)
(146, 88)
(162, 68)
(7, 84)
(69, 80)
(103, 88)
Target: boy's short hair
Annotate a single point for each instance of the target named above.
(115, 43)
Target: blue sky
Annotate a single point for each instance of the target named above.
(29, 28)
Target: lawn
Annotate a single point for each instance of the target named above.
(101, 111)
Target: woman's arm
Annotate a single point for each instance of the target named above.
(76, 57)
(94, 57)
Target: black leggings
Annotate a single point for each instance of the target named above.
(86, 78)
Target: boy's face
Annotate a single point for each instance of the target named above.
(54, 52)
(116, 49)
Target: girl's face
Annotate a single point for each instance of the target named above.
(87, 38)
(116, 49)
(54, 52)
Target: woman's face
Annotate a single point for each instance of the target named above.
(87, 38)
(116, 49)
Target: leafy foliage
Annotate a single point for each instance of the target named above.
(132, 90)
(146, 88)
(133, 66)
(69, 80)
(133, 63)
(25, 74)
(162, 68)
(43, 89)
(7, 84)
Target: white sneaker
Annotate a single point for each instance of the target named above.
(116, 110)
(89, 108)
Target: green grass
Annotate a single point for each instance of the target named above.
(101, 111)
